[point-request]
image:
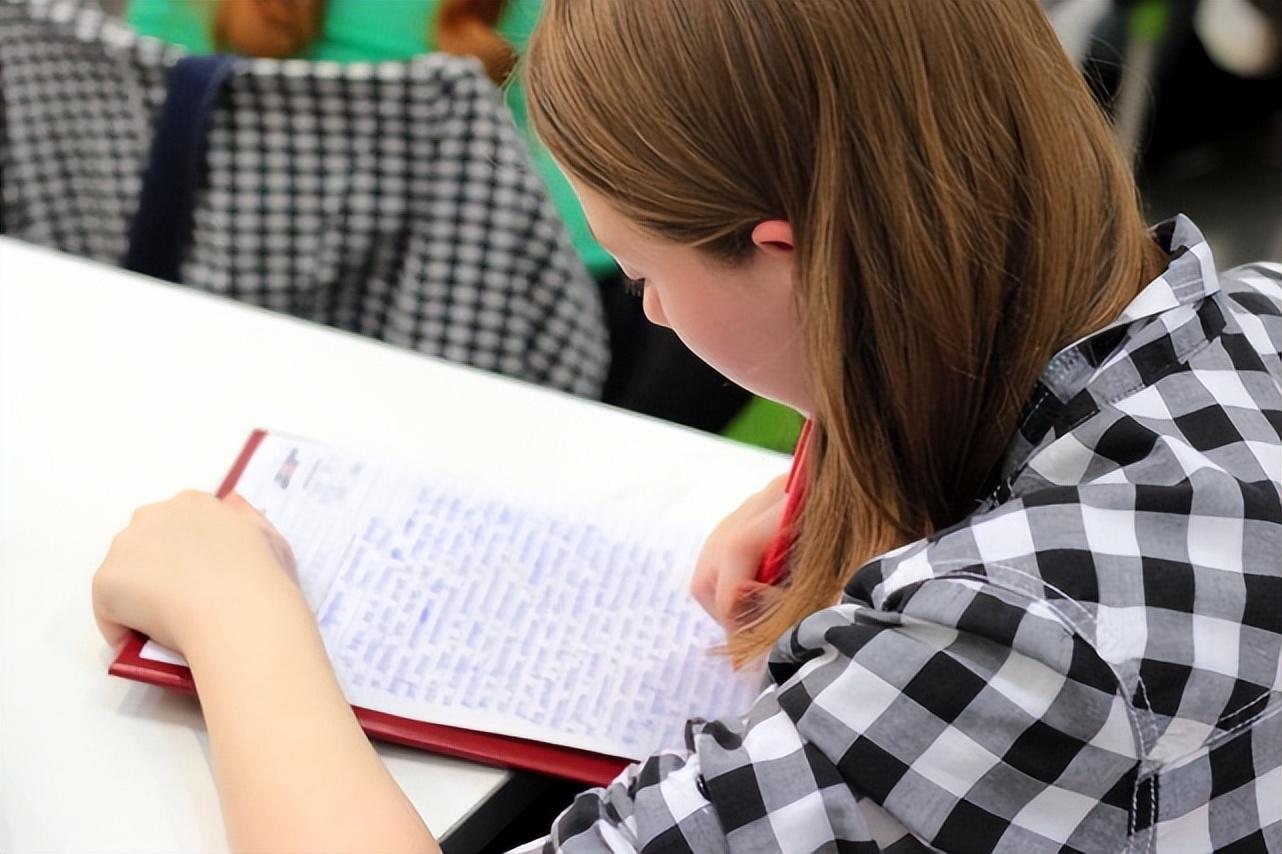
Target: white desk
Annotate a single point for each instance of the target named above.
(116, 391)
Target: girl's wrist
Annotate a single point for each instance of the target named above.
(262, 618)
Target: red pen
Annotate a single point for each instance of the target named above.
(774, 563)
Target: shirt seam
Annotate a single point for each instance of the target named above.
(1141, 732)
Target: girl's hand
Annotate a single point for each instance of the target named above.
(211, 579)
(193, 564)
(732, 554)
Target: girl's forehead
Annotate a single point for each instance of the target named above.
(610, 227)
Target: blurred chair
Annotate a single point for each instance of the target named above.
(391, 199)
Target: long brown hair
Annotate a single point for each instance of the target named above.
(959, 207)
(284, 28)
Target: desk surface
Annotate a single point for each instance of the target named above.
(116, 391)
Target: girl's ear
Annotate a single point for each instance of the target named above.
(773, 235)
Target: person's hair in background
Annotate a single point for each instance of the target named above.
(283, 28)
(267, 28)
(467, 28)
(959, 215)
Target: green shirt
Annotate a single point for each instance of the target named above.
(374, 30)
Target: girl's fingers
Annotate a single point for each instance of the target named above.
(237, 502)
(742, 559)
(186, 561)
(280, 546)
(733, 552)
(703, 584)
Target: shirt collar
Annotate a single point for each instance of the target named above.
(1188, 278)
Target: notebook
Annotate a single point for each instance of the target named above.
(510, 626)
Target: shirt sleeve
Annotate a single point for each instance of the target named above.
(886, 729)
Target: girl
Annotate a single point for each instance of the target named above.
(1030, 594)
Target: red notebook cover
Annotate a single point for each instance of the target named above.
(568, 762)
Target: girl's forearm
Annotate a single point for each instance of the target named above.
(294, 770)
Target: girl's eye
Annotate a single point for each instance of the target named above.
(635, 287)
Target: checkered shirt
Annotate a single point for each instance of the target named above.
(392, 199)
(1090, 662)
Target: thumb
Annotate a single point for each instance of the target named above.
(237, 502)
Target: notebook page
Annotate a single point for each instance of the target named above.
(507, 613)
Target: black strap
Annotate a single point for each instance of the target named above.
(161, 228)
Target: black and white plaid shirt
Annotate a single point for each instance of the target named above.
(1088, 663)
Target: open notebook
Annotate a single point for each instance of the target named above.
(511, 628)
